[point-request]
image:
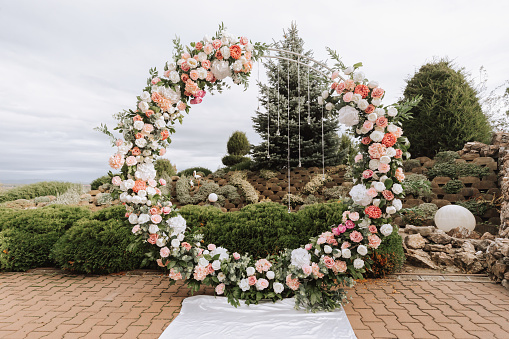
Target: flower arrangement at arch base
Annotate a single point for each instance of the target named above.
(315, 272)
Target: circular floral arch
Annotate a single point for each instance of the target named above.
(313, 272)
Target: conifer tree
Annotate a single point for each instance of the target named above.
(292, 90)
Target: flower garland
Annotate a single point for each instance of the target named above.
(311, 273)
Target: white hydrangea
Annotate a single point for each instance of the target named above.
(177, 224)
(359, 195)
(348, 116)
(300, 257)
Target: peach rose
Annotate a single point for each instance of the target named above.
(356, 236)
(216, 43)
(251, 280)
(384, 168)
(164, 252)
(208, 48)
(377, 92)
(347, 97)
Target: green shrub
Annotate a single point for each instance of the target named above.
(94, 246)
(197, 217)
(233, 159)
(238, 179)
(114, 212)
(453, 186)
(418, 185)
(389, 257)
(244, 165)
(32, 191)
(335, 193)
(476, 206)
(466, 169)
(189, 172)
(446, 156)
(268, 174)
(105, 179)
(455, 170)
(449, 114)
(164, 167)
(410, 164)
(237, 144)
(295, 200)
(27, 236)
(70, 197)
(41, 199)
(419, 215)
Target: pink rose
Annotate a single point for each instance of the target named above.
(131, 161)
(136, 228)
(346, 244)
(334, 75)
(349, 224)
(153, 238)
(354, 216)
(308, 247)
(162, 151)
(262, 284)
(384, 168)
(116, 180)
(358, 158)
(205, 64)
(155, 80)
(236, 256)
(372, 192)
(194, 74)
(263, 265)
(116, 161)
(156, 218)
(186, 245)
(374, 241)
(328, 261)
(195, 101)
(208, 48)
(164, 252)
(186, 56)
(119, 142)
(335, 231)
(152, 183)
(167, 73)
(198, 45)
(216, 43)
(148, 128)
(220, 289)
(340, 87)
(181, 106)
(368, 125)
(373, 229)
(244, 40)
(339, 267)
(347, 97)
(367, 174)
(166, 210)
(341, 228)
(356, 236)
(160, 262)
(251, 280)
(153, 211)
(377, 92)
(211, 247)
(307, 269)
(162, 182)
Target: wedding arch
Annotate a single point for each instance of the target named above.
(312, 272)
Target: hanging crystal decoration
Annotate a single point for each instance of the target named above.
(309, 100)
(323, 151)
(277, 131)
(288, 137)
(298, 102)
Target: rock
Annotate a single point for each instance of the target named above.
(465, 259)
(420, 258)
(504, 249)
(439, 237)
(415, 241)
(468, 247)
(422, 230)
(487, 235)
(463, 233)
(51, 197)
(499, 270)
(442, 258)
(94, 192)
(505, 283)
(481, 245)
(439, 248)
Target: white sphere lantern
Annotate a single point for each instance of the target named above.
(452, 216)
(212, 197)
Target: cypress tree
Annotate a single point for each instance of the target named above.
(296, 96)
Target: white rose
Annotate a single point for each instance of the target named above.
(193, 63)
(372, 117)
(270, 275)
(358, 263)
(149, 202)
(392, 128)
(348, 116)
(202, 56)
(358, 76)
(249, 47)
(379, 186)
(348, 70)
(376, 202)
(362, 250)
(380, 111)
(206, 39)
(133, 218)
(237, 66)
(365, 223)
(346, 253)
(123, 149)
(320, 100)
(390, 151)
(160, 123)
(221, 276)
(373, 164)
(336, 253)
(386, 229)
(380, 129)
(376, 102)
(397, 188)
(373, 84)
(206, 252)
(385, 159)
(356, 98)
(392, 111)
(225, 51)
(317, 252)
(223, 253)
(142, 193)
(362, 104)
(180, 237)
(143, 106)
(220, 69)
(397, 204)
(216, 264)
(123, 196)
(376, 136)
(224, 40)
(329, 106)
(136, 199)
(174, 77)
(143, 200)
(202, 73)
(145, 96)
(390, 210)
(143, 218)
(129, 183)
(202, 261)
(325, 94)
(300, 257)
(244, 285)
(153, 229)
(250, 271)
(160, 242)
(327, 249)
(141, 142)
(171, 66)
(359, 196)
(175, 243)
(178, 224)
(278, 287)
(151, 191)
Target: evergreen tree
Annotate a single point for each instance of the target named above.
(449, 114)
(296, 96)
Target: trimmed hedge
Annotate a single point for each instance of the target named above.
(32, 191)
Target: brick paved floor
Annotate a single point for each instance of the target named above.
(53, 305)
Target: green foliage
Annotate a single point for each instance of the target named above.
(410, 164)
(94, 246)
(237, 144)
(335, 193)
(199, 170)
(348, 148)
(454, 170)
(250, 193)
(276, 95)
(419, 215)
(105, 179)
(446, 157)
(295, 200)
(197, 217)
(476, 206)
(449, 114)
(417, 185)
(233, 159)
(244, 165)
(27, 236)
(32, 191)
(164, 168)
(453, 186)
(388, 257)
(268, 174)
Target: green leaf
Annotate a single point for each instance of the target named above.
(388, 183)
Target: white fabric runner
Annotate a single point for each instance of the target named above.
(206, 316)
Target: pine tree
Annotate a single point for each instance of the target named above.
(296, 95)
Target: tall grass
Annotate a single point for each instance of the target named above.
(32, 191)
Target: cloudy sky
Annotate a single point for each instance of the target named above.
(67, 66)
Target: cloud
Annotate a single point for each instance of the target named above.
(68, 66)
